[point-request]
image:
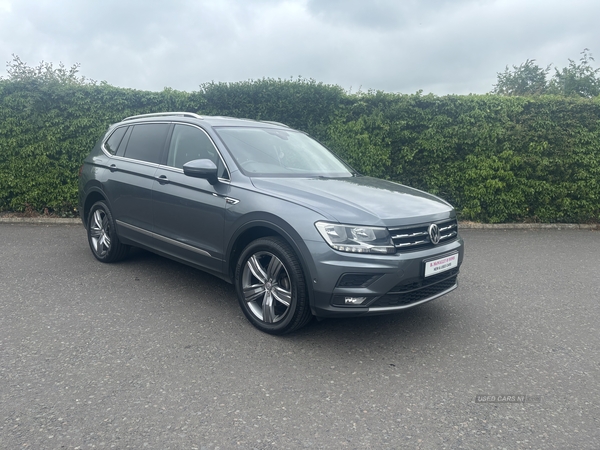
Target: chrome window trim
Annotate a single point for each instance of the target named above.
(123, 158)
(107, 137)
(137, 161)
(177, 170)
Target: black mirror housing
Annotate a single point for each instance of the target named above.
(201, 168)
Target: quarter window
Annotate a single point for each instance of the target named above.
(113, 142)
(147, 142)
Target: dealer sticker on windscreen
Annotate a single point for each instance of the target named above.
(441, 265)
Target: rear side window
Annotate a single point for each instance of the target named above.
(147, 141)
(113, 142)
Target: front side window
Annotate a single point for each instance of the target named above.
(189, 143)
(147, 141)
(274, 152)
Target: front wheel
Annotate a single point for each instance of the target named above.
(102, 235)
(271, 287)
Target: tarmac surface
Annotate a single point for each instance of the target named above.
(149, 353)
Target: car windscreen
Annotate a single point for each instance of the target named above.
(277, 152)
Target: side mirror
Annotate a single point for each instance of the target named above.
(201, 168)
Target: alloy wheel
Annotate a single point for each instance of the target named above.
(266, 287)
(100, 233)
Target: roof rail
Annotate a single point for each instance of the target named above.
(272, 122)
(162, 114)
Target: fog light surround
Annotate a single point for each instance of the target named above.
(351, 300)
(354, 300)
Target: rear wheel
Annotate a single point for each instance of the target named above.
(102, 236)
(271, 287)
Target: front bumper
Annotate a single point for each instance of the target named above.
(394, 282)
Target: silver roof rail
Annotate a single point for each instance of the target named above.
(162, 114)
(272, 122)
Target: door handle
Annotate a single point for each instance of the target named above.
(162, 179)
(113, 167)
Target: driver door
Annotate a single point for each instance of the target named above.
(189, 212)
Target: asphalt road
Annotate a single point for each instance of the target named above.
(148, 353)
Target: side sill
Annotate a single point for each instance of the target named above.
(164, 239)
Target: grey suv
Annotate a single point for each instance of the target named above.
(265, 207)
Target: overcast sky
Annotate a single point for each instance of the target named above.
(439, 46)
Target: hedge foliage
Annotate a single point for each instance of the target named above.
(497, 159)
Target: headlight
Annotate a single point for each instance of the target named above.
(356, 239)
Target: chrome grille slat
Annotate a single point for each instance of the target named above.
(407, 244)
(417, 237)
(403, 236)
(446, 236)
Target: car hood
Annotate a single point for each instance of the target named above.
(358, 200)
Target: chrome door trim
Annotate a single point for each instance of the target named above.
(164, 239)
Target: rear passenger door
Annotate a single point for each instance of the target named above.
(129, 186)
(189, 212)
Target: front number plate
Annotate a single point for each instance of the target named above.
(441, 265)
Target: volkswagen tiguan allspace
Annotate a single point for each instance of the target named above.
(271, 210)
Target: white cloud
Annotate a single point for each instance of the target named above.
(440, 46)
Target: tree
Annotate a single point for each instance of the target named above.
(45, 72)
(526, 79)
(577, 80)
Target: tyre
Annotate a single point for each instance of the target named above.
(102, 235)
(271, 287)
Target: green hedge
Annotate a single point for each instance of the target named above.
(501, 159)
(497, 159)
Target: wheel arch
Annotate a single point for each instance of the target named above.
(93, 196)
(273, 226)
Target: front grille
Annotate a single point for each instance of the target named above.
(416, 237)
(405, 294)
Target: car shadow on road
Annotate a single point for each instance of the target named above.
(427, 323)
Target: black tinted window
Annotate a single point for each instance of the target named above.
(112, 144)
(147, 141)
(222, 170)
